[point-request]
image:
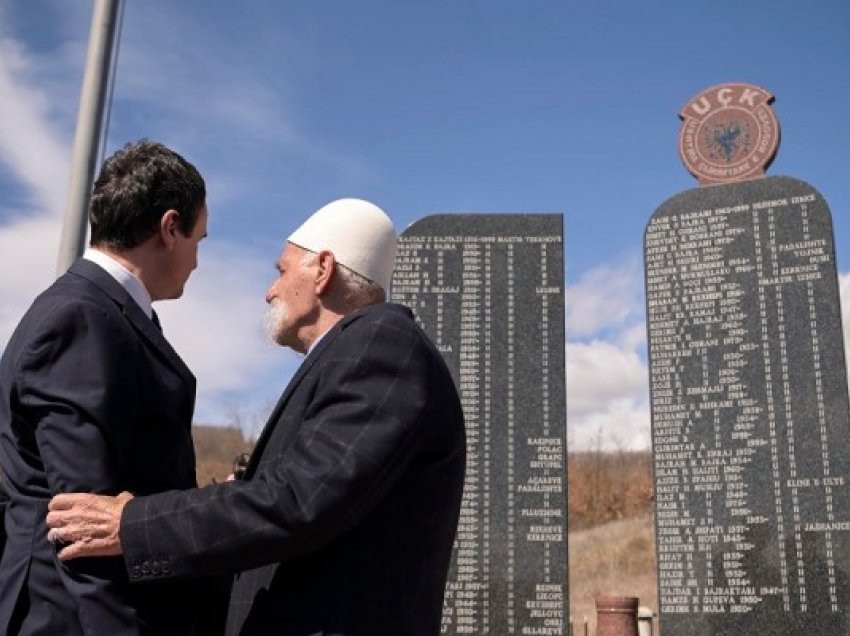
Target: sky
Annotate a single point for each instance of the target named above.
(423, 108)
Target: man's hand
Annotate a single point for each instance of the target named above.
(86, 525)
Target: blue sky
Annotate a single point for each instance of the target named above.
(423, 108)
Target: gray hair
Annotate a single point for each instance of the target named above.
(356, 290)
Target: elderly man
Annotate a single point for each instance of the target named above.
(346, 516)
(93, 397)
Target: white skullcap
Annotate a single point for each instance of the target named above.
(360, 235)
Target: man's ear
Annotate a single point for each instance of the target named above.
(325, 271)
(168, 227)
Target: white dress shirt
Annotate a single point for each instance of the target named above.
(125, 278)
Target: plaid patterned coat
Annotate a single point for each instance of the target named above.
(345, 521)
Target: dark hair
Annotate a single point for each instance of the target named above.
(136, 186)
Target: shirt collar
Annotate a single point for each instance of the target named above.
(124, 276)
(317, 340)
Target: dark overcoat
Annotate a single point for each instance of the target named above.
(92, 399)
(345, 521)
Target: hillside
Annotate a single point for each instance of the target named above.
(215, 449)
(608, 486)
(603, 486)
(611, 533)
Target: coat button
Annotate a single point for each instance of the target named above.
(135, 572)
(166, 566)
(146, 568)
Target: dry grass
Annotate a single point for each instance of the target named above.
(215, 450)
(611, 539)
(614, 559)
(608, 486)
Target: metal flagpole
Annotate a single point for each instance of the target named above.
(94, 106)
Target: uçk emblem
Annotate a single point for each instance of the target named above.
(729, 133)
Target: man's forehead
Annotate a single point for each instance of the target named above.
(290, 253)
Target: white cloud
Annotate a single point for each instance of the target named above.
(35, 156)
(608, 296)
(32, 245)
(618, 425)
(607, 395)
(32, 146)
(601, 372)
(217, 329)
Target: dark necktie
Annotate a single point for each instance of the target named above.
(155, 320)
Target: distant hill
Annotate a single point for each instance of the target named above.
(215, 449)
(608, 486)
(603, 486)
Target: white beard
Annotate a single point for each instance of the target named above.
(274, 320)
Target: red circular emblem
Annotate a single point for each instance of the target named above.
(729, 133)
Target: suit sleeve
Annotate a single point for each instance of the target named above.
(360, 431)
(76, 385)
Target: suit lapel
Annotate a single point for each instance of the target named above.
(132, 312)
(308, 363)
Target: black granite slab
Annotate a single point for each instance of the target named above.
(489, 290)
(750, 426)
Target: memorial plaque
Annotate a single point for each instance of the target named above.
(729, 133)
(750, 424)
(489, 290)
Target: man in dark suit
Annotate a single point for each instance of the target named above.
(345, 519)
(93, 398)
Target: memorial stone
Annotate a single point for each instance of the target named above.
(750, 421)
(489, 291)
